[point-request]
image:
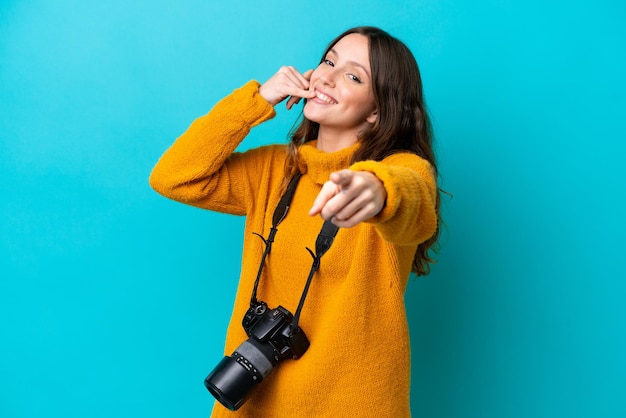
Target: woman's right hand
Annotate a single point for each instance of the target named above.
(287, 82)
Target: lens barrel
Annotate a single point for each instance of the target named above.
(234, 377)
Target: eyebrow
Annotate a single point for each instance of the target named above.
(356, 64)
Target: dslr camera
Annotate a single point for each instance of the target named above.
(272, 338)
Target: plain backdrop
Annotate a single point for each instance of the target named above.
(114, 301)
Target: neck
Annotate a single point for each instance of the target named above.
(331, 140)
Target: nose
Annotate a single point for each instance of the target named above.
(328, 77)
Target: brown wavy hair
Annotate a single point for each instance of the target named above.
(402, 124)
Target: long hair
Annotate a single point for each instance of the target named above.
(402, 124)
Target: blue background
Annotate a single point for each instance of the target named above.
(114, 301)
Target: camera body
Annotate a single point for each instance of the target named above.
(273, 326)
(271, 339)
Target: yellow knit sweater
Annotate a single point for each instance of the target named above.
(358, 364)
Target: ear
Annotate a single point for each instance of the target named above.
(372, 117)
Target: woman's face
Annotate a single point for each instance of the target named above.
(344, 100)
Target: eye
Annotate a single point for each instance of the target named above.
(354, 78)
(329, 62)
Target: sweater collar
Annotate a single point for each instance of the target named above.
(319, 164)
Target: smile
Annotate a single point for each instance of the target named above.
(325, 98)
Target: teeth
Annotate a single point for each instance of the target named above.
(324, 97)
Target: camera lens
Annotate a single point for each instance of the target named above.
(233, 379)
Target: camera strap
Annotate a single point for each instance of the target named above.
(279, 214)
(323, 242)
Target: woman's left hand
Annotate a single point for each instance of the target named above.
(350, 197)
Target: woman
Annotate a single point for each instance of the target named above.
(364, 153)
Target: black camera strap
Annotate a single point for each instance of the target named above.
(279, 214)
(323, 242)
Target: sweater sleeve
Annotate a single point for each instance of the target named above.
(201, 168)
(409, 215)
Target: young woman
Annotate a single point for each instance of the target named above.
(364, 153)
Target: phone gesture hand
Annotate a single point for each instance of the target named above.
(287, 82)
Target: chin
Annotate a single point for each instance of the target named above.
(310, 115)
